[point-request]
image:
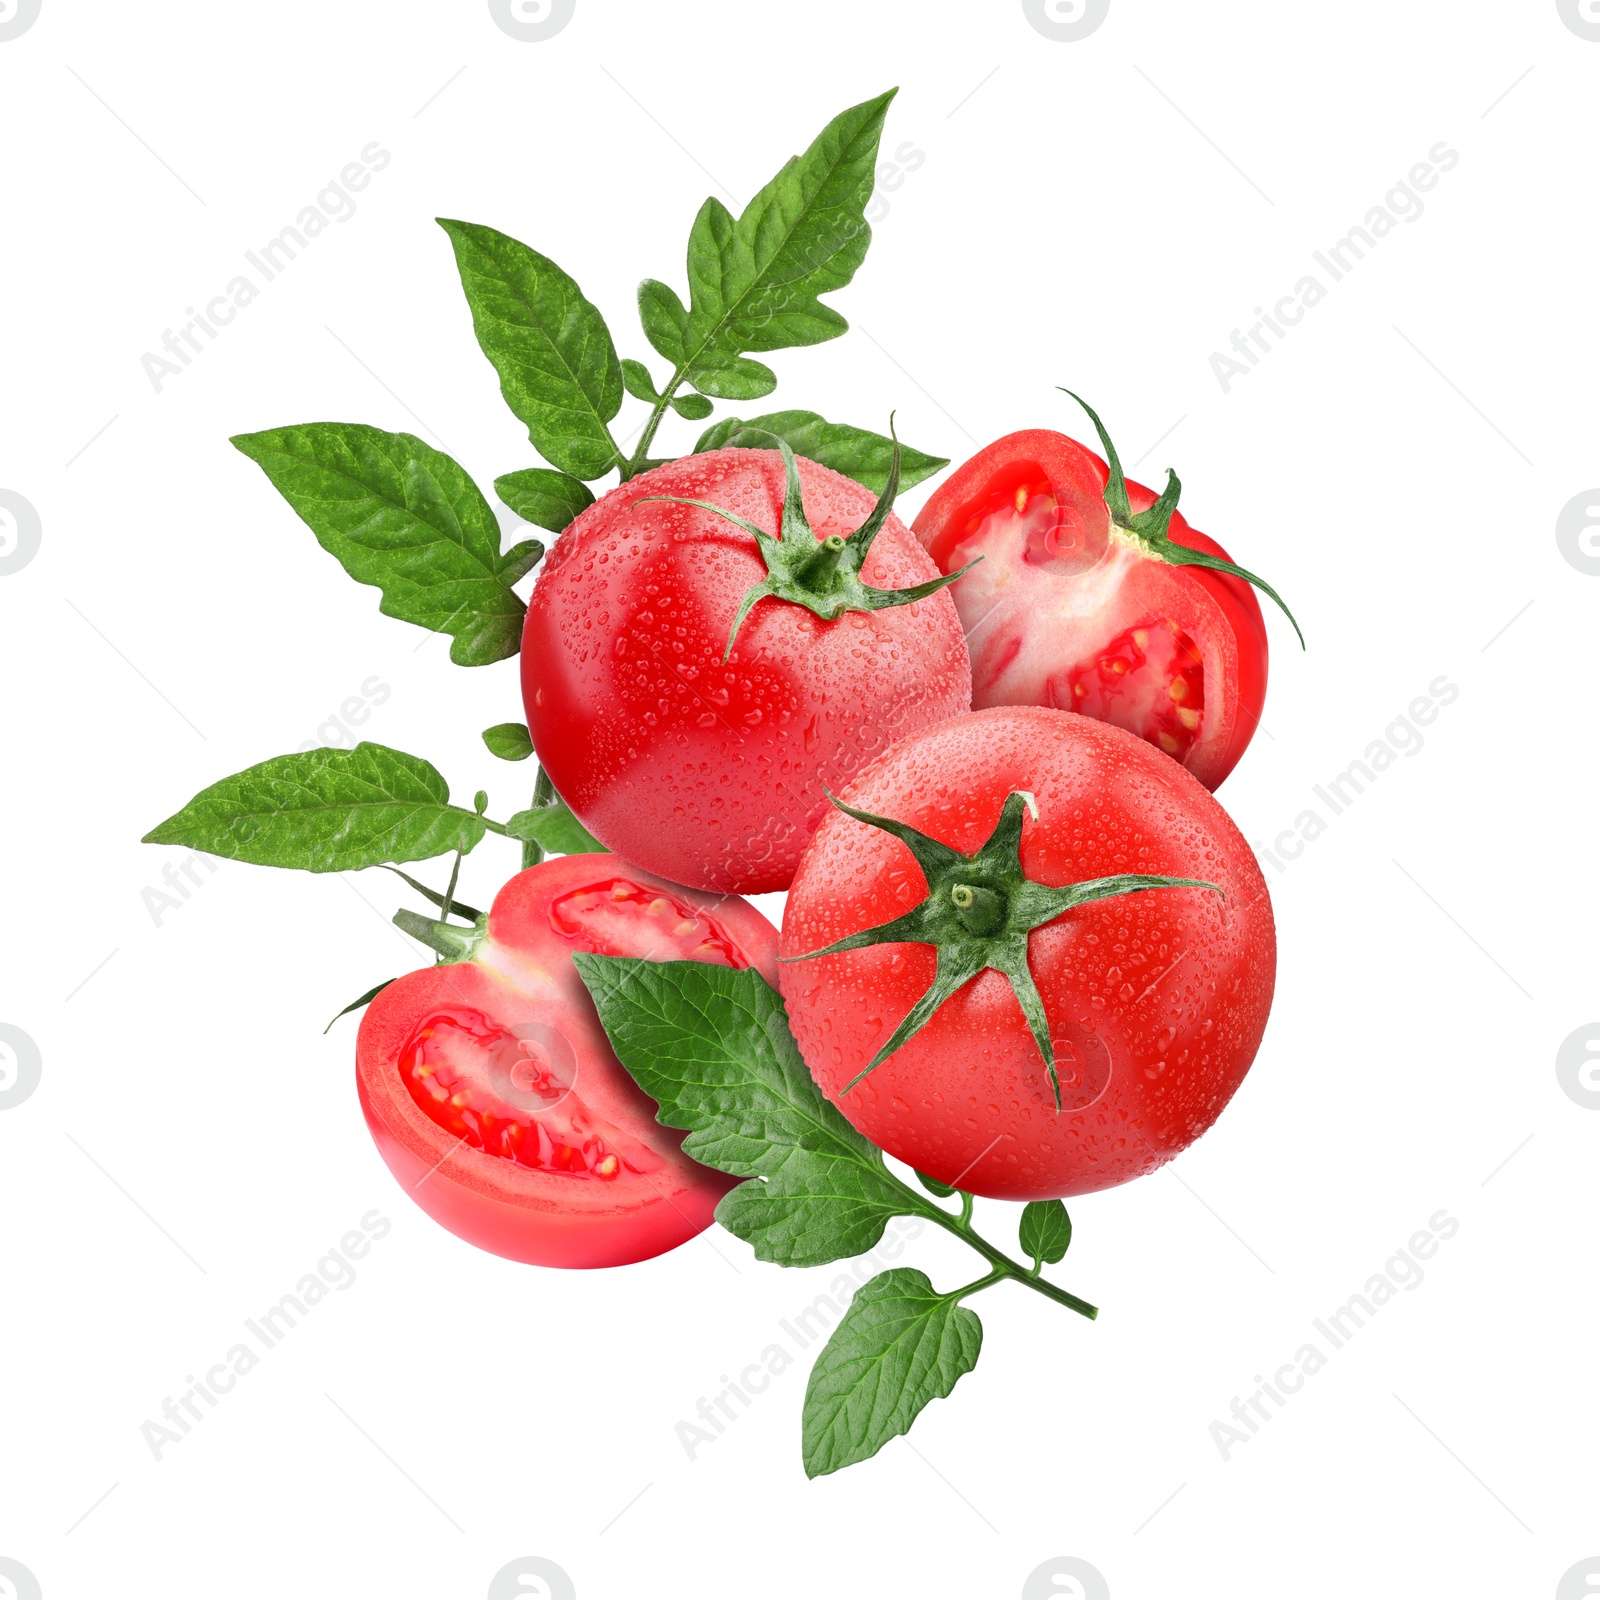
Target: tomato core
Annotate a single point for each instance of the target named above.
(1149, 680)
(621, 918)
(509, 1093)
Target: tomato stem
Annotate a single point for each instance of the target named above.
(817, 571)
(976, 1285)
(543, 793)
(450, 889)
(635, 463)
(1004, 1266)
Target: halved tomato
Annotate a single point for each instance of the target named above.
(1094, 595)
(492, 1091)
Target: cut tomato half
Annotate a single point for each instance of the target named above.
(1070, 609)
(494, 1096)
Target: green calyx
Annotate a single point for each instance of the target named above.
(1149, 528)
(978, 913)
(448, 940)
(824, 575)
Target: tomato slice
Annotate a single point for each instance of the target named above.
(492, 1092)
(1068, 610)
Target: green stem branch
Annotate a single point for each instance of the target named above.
(1004, 1266)
(976, 1285)
(632, 466)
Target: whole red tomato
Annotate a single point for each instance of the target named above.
(493, 1093)
(694, 675)
(1015, 896)
(1094, 595)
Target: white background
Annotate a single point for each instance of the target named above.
(1396, 467)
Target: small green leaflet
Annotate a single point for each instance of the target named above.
(326, 811)
(366, 999)
(855, 452)
(543, 497)
(712, 1047)
(509, 741)
(555, 830)
(1045, 1230)
(754, 280)
(933, 1186)
(637, 381)
(402, 516)
(558, 368)
(900, 1345)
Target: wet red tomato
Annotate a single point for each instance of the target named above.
(1073, 904)
(705, 760)
(494, 1096)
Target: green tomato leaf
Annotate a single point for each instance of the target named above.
(326, 811)
(555, 830)
(712, 1047)
(1045, 1230)
(399, 515)
(900, 1345)
(509, 740)
(856, 452)
(933, 1186)
(558, 368)
(754, 280)
(637, 381)
(693, 407)
(547, 499)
